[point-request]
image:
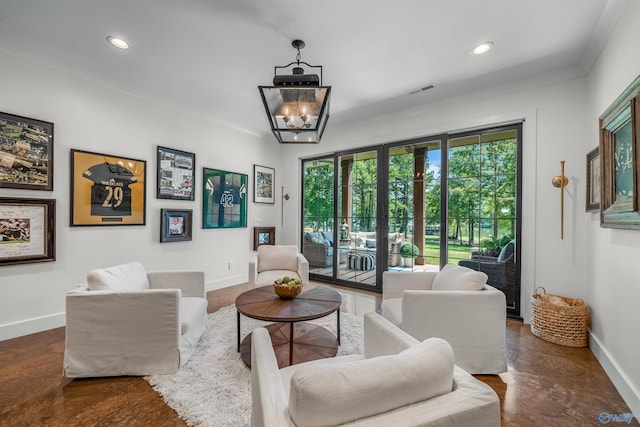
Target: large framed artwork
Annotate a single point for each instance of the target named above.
(176, 225)
(593, 180)
(620, 159)
(263, 184)
(107, 189)
(175, 174)
(27, 230)
(26, 153)
(224, 199)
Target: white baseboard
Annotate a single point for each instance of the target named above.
(625, 387)
(31, 326)
(39, 324)
(227, 281)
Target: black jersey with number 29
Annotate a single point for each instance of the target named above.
(110, 193)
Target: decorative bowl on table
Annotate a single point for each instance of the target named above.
(287, 287)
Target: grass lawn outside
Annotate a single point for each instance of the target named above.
(432, 251)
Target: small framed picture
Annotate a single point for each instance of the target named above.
(26, 153)
(593, 180)
(175, 225)
(107, 190)
(263, 236)
(27, 230)
(175, 174)
(263, 184)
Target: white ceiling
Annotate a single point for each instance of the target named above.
(209, 56)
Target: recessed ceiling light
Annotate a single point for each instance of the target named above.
(118, 42)
(482, 48)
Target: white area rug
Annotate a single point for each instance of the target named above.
(213, 388)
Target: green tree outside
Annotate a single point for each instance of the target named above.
(481, 195)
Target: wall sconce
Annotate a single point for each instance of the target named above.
(561, 181)
(285, 196)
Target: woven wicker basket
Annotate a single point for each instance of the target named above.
(558, 319)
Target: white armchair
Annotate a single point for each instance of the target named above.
(398, 382)
(272, 262)
(454, 304)
(126, 321)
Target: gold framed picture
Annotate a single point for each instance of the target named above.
(107, 189)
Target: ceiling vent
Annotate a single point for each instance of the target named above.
(421, 89)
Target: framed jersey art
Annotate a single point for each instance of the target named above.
(224, 203)
(107, 190)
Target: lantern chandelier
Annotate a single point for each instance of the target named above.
(297, 104)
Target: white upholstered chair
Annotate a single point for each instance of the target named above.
(126, 321)
(398, 381)
(454, 304)
(272, 262)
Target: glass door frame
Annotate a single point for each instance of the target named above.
(514, 312)
(381, 235)
(443, 138)
(382, 206)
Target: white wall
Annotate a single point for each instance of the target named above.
(93, 118)
(553, 131)
(613, 256)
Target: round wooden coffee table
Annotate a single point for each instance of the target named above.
(294, 341)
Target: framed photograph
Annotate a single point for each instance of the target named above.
(620, 157)
(263, 184)
(26, 153)
(27, 230)
(224, 199)
(176, 225)
(593, 180)
(263, 236)
(107, 190)
(175, 174)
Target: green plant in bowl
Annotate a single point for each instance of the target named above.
(409, 252)
(287, 287)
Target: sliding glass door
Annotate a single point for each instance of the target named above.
(415, 206)
(318, 216)
(414, 201)
(484, 205)
(340, 216)
(358, 217)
